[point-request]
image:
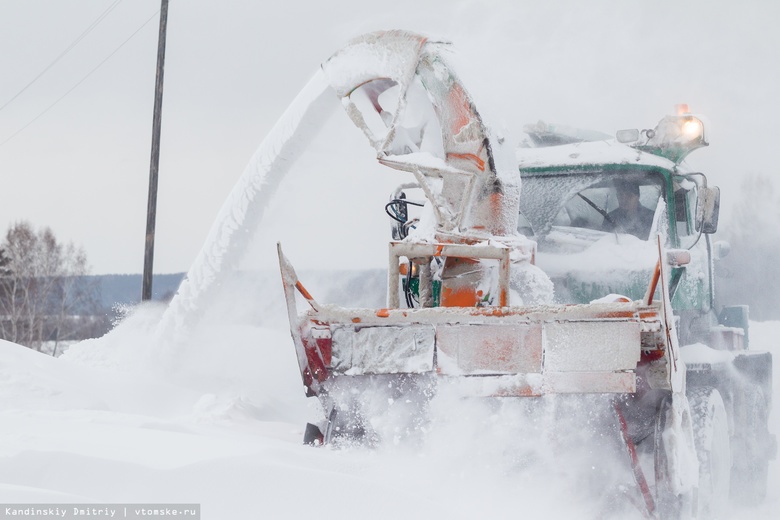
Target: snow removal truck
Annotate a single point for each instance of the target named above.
(524, 276)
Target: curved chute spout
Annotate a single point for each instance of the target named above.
(398, 89)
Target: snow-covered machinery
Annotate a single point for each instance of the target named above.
(571, 199)
(499, 292)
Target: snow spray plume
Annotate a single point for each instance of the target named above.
(377, 63)
(244, 208)
(527, 451)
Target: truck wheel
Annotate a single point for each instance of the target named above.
(749, 474)
(711, 437)
(669, 505)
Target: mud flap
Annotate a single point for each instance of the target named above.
(639, 476)
(313, 436)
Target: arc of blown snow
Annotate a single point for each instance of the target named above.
(244, 208)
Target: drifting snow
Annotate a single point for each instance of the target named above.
(222, 426)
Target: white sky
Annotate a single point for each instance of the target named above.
(233, 66)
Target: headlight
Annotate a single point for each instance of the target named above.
(692, 129)
(675, 136)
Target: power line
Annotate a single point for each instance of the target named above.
(63, 53)
(82, 80)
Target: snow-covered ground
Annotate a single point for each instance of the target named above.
(219, 422)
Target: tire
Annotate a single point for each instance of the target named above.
(713, 449)
(755, 444)
(669, 505)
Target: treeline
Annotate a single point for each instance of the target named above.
(44, 299)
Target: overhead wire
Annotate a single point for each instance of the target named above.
(82, 79)
(66, 51)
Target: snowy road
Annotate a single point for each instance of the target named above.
(110, 423)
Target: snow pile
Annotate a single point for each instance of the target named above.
(598, 260)
(532, 285)
(698, 353)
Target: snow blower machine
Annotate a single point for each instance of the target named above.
(595, 278)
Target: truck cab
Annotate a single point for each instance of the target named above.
(571, 195)
(570, 205)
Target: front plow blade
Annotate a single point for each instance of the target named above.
(490, 351)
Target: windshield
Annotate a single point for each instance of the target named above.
(619, 203)
(593, 231)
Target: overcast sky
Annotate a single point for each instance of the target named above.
(233, 66)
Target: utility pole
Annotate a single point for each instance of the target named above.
(151, 209)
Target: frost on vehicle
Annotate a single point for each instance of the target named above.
(588, 280)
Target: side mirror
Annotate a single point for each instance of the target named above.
(678, 257)
(627, 136)
(707, 209)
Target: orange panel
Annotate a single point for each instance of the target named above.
(459, 297)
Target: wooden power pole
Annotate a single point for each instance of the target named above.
(151, 209)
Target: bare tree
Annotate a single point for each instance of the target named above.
(74, 301)
(40, 286)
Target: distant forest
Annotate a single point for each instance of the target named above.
(113, 292)
(49, 299)
(125, 289)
